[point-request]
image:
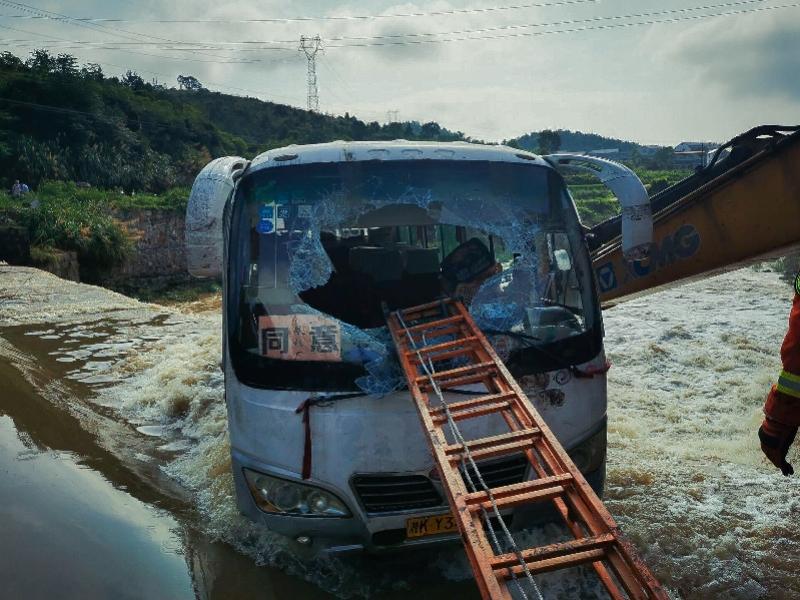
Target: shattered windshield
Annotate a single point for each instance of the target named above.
(321, 253)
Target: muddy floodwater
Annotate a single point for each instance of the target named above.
(115, 482)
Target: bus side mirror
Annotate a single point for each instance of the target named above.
(637, 218)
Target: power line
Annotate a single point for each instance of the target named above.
(58, 17)
(127, 51)
(71, 111)
(438, 13)
(233, 45)
(565, 31)
(552, 23)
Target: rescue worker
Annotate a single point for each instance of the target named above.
(782, 408)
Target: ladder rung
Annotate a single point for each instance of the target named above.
(497, 445)
(458, 372)
(434, 324)
(422, 307)
(507, 496)
(457, 381)
(446, 355)
(444, 345)
(475, 407)
(538, 495)
(530, 555)
(558, 562)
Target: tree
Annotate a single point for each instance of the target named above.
(92, 72)
(133, 80)
(40, 60)
(187, 82)
(66, 64)
(430, 130)
(10, 61)
(663, 158)
(549, 141)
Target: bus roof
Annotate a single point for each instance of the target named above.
(341, 151)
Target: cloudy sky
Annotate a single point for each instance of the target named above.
(574, 64)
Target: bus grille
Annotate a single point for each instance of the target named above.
(501, 472)
(388, 493)
(382, 493)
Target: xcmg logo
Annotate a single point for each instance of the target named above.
(680, 245)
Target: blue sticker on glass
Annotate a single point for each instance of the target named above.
(284, 212)
(266, 211)
(265, 226)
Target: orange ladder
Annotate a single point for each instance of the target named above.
(444, 331)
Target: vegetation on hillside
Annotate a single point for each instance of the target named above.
(572, 141)
(596, 203)
(60, 217)
(547, 141)
(63, 121)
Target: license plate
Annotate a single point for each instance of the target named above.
(422, 526)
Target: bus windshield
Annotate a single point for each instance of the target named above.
(320, 254)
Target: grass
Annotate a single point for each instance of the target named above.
(62, 215)
(172, 292)
(43, 255)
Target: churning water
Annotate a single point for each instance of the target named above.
(686, 480)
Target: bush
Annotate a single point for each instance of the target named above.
(62, 216)
(79, 224)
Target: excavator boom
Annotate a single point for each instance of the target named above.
(738, 210)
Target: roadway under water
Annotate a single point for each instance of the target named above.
(114, 459)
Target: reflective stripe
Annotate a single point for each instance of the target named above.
(789, 376)
(789, 383)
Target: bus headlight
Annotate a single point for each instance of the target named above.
(589, 455)
(279, 496)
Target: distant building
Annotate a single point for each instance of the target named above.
(689, 155)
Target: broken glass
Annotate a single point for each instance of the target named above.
(334, 247)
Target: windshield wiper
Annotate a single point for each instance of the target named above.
(574, 310)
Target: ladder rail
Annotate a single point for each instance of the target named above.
(472, 532)
(626, 554)
(598, 540)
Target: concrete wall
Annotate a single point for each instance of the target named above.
(159, 246)
(61, 263)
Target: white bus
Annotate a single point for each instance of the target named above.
(320, 242)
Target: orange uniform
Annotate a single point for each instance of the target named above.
(782, 408)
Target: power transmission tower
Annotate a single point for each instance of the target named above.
(393, 116)
(310, 46)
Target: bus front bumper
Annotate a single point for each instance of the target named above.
(367, 532)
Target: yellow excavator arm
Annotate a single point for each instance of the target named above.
(742, 208)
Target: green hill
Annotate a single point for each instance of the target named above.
(576, 141)
(62, 121)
